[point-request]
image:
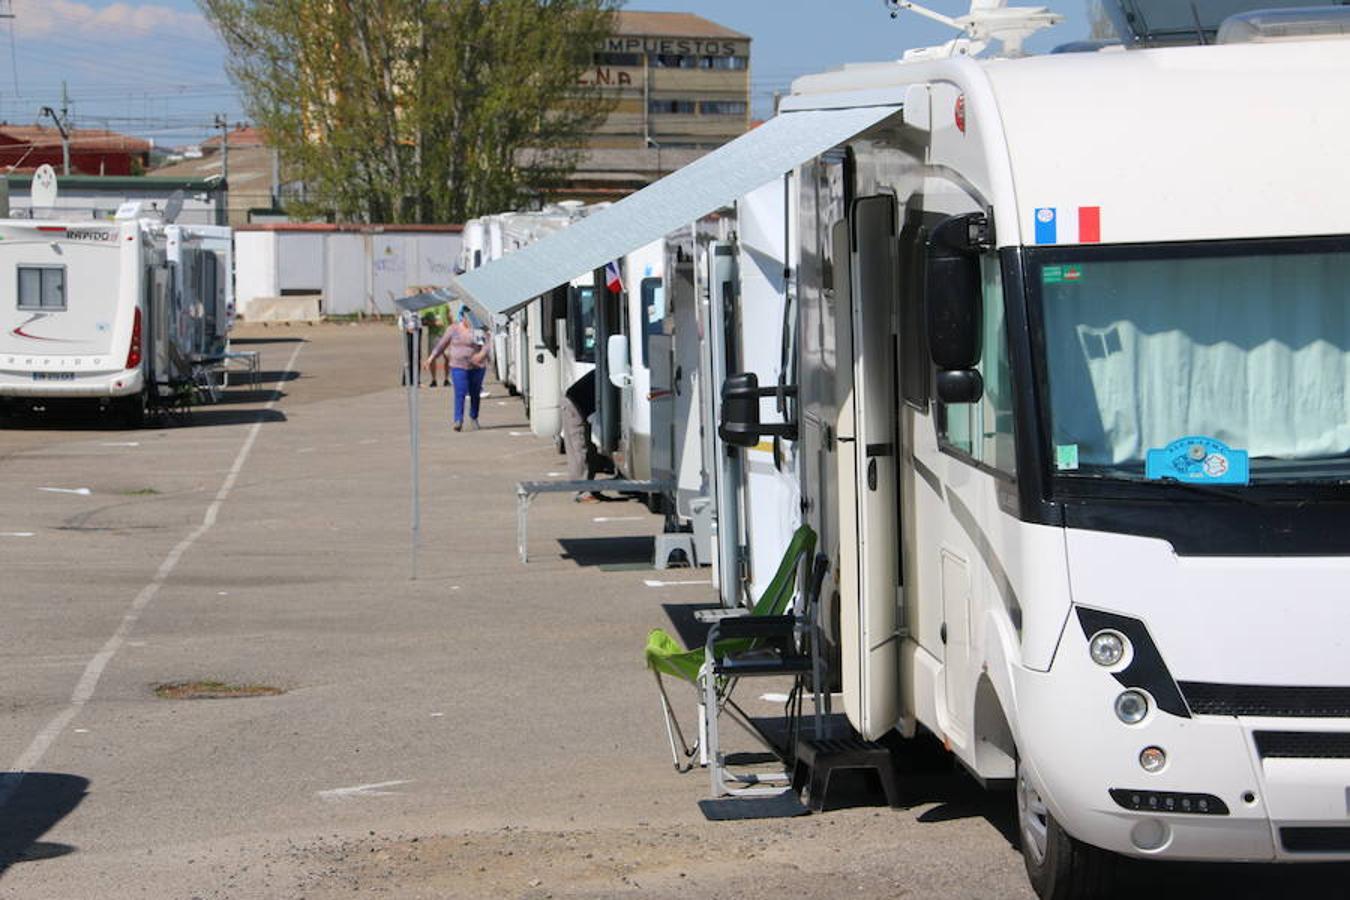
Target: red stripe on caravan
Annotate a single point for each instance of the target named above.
(1089, 224)
(60, 228)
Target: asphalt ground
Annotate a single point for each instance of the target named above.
(487, 729)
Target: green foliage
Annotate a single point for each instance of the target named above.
(418, 110)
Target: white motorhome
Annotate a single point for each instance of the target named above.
(1073, 431)
(124, 312)
(1070, 351)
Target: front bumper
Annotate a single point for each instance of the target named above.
(1076, 751)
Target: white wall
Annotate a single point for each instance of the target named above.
(347, 281)
(300, 261)
(255, 268)
(359, 271)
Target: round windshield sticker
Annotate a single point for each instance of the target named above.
(1045, 215)
(1198, 459)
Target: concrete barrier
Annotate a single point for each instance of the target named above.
(300, 308)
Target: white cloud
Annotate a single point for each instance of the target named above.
(46, 18)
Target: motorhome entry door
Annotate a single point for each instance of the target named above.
(873, 257)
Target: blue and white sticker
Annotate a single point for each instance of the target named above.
(1047, 225)
(1197, 459)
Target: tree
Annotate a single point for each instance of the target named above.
(418, 110)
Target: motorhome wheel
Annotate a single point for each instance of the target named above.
(136, 409)
(1058, 866)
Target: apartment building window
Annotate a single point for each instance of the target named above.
(674, 61)
(618, 59)
(722, 107)
(736, 63)
(671, 107)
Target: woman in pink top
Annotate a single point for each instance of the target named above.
(467, 350)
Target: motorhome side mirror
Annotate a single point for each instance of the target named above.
(954, 291)
(740, 410)
(960, 386)
(616, 354)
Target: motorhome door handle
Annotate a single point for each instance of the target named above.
(539, 358)
(872, 474)
(942, 634)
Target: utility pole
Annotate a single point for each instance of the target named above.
(223, 124)
(62, 123)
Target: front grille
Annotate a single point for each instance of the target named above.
(1263, 700)
(1315, 840)
(1302, 745)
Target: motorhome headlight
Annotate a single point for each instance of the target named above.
(1152, 759)
(1131, 707)
(1107, 648)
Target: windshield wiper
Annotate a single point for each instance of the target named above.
(1211, 490)
(1125, 477)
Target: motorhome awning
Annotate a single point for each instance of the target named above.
(683, 197)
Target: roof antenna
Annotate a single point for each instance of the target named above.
(987, 21)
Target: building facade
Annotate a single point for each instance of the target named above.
(93, 151)
(681, 81)
(80, 197)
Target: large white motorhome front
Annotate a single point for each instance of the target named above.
(1073, 430)
(1070, 355)
(125, 312)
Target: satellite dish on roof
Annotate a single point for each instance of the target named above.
(43, 192)
(173, 206)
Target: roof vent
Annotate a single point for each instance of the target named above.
(1265, 26)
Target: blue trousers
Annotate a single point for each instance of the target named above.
(468, 382)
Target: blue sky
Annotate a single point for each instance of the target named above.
(155, 69)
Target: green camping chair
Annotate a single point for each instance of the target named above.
(666, 656)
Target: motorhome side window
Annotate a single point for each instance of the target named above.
(984, 429)
(42, 287)
(915, 366)
(653, 313)
(582, 322)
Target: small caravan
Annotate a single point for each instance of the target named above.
(127, 312)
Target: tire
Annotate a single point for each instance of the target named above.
(1059, 866)
(136, 409)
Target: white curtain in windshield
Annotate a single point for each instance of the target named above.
(1253, 351)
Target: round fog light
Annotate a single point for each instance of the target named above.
(1150, 835)
(1131, 707)
(1152, 759)
(1107, 648)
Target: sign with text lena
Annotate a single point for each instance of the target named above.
(670, 46)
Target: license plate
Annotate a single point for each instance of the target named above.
(53, 376)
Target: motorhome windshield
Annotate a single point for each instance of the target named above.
(1207, 363)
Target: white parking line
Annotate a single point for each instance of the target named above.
(361, 790)
(93, 670)
(120, 444)
(16, 534)
(83, 492)
(618, 518)
(655, 584)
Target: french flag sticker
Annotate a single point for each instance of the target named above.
(1079, 225)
